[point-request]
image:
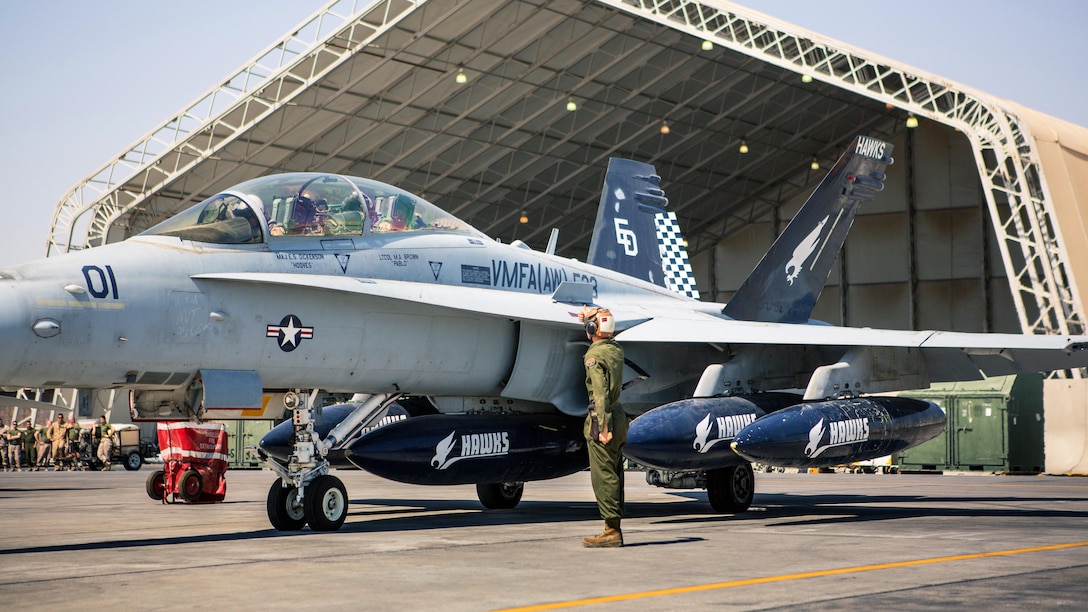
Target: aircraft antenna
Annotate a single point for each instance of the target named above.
(552, 241)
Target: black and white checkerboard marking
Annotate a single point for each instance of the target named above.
(674, 256)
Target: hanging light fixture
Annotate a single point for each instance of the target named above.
(912, 121)
(524, 218)
(571, 106)
(461, 78)
(743, 146)
(806, 78)
(815, 165)
(664, 127)
(708, 46)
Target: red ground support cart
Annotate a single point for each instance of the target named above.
(194, 460)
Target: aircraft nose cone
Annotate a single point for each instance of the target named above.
(14, 329)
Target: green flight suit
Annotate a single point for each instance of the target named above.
(604, 379)
(30, 451)
(72, 435)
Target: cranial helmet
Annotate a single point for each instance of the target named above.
(599, 322)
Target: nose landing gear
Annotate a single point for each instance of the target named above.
(305, 493)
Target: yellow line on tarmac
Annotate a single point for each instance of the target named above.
(785, 577)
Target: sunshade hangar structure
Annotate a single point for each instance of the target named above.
(505, 112)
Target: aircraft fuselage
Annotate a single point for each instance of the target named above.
(149, 312)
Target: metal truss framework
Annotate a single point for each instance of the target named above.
(274, 79)
(1030, 243)
(109, 205)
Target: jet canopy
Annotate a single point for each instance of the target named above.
(307, 204)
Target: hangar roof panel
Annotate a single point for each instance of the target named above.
(369, 89)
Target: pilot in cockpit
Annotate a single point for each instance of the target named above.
(348, 218)
(241, 210)
(401, 215)
(307, 216)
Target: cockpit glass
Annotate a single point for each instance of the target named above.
(307, 204)
(222, 219)
(394, 210)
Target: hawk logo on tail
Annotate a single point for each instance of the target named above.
(803, 252)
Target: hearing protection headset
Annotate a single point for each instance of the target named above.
(600, 323)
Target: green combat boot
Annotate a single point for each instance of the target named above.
(611, 538)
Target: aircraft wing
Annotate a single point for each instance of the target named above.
(507, 304)
(949, 355)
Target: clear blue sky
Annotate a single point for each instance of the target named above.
(85, 80)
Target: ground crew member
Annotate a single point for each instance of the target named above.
(72, 435)
(3, 445)
(15, 446)
(30, 450)
(103, 438)
(606, 423)
(45, 447)
(59, 435)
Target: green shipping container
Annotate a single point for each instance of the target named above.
(994, 425)
(242, 440)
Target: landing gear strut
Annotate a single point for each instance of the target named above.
(306, 493)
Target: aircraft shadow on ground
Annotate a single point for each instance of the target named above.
(393, 515)
(5, 491)
(799, 510)
(423, 514)
(401, 515)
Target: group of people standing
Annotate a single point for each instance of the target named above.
(34, 447)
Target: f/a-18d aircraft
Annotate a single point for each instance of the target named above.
(463, 355)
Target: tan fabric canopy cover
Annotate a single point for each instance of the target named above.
(1063, 152)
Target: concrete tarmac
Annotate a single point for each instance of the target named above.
(812, 541)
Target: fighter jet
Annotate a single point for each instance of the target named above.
(463, 356)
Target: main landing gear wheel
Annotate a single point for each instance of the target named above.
(326, 503)
(284, 510)
(500, 495)
(731, 489)
(156, 485)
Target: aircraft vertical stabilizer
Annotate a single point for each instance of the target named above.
(784, 286)
(634, 234)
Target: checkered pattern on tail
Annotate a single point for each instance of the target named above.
(674, 257)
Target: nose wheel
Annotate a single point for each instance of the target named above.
(326, 503)
(323, 505)
(285, 510)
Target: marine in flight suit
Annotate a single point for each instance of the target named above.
(606, 424)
